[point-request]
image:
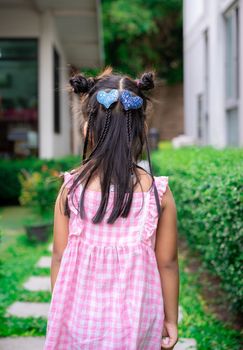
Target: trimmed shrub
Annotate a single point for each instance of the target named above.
(39, 190)
(207, 185)
(10, 187)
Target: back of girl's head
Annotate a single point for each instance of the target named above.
(115, 137)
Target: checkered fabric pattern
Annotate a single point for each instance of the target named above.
(108, 292)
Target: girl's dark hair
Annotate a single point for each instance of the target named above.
(113, 143)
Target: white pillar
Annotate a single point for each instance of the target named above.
(77, 121)
(217, 123)
(241, 76)
(45, 123)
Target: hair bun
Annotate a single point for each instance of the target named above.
(146, 82)
(81, 84)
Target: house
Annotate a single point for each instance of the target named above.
(213, 79)
(40, 42)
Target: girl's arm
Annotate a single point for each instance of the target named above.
(60, 235)
(166, 250)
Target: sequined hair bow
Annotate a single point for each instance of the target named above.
(128, 100)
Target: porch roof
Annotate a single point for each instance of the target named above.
(78, 25)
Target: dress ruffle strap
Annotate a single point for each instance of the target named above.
(151, 221)
(68, 179)
(73, 199)
(161, 184)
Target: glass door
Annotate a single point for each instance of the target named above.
(18, 98)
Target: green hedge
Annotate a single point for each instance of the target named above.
(9, 170)
(207, 185)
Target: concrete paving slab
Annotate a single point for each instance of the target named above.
(37, 343)
(50, 247)
(44, 262)
(26, 309)
(22, 343)
(38, 283)
(180, 314)
(186, 344)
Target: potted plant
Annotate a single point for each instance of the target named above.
(39, 191)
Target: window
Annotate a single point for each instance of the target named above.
(232, 126)
(18, 98)
(206, 89)
(232, 74)
(200, 117)
(56, 79)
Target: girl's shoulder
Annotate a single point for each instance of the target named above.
(146, 180)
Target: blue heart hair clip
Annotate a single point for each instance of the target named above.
(127, 99)
(107, 98)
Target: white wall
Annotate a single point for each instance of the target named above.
(193, 84)
(19, 23)
(193, 11)
(200, 16)
(217, 126)
(241, 78)
(27, 23)
(194, 64)
(52, 144)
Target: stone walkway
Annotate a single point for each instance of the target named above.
(22, 343)
(38, 283)
(37, 343)
(26, 309)
(30, 309)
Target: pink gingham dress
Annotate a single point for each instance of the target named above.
(108, 291)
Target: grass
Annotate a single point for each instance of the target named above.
(18, 259)
(198, 321)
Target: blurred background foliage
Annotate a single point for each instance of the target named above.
(144, 34)
(141, 35)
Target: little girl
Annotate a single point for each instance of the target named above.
(114, 272)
